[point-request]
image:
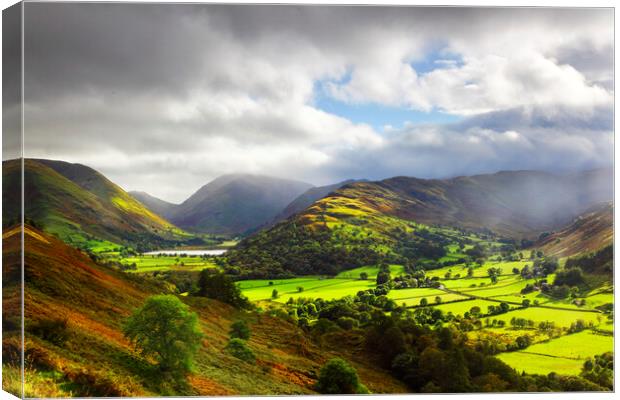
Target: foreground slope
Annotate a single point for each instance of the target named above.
(236, 204)
(62, 283)
(78, 204)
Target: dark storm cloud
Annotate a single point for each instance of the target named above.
(154, 95)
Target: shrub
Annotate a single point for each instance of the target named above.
(237, 348)
(239, 329)
(338, 377)
(52, 330)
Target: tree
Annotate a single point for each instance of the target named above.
(437, 300)
(363, 276)
(164, 328)
(274, 294)
(494, 273)
(423, 301)
(216, 285)
(383, 277)
(338, 377)
(239, 329)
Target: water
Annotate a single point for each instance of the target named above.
(199, 252)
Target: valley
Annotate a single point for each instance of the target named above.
(403, 279)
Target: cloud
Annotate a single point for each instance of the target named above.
(164, 98)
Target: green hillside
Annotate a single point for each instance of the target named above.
(82, 207)
(88, 355)
(408, 218)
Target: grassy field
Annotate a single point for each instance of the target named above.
(151, 263)
(539, 364)
(563, 355)
(412, 297)
(347, 283)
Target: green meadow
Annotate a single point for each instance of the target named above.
(562, 355)
(152, 263)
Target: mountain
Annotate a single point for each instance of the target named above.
(306, 199)
(158, 206)
(236, 204)
(81, 206)
(365, 221)
(74, 345)
(589, 232)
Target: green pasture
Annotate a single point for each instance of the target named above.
(372, 271)
(151, 263)
(461, 307)
(327, 289)
(411, 297)
(562, 318)
(564, 355)
(541, 364)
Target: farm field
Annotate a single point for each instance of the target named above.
(152, 263)
(412, 297)
(562, 318)
(540, 364)
(344, 284)
(562, 355)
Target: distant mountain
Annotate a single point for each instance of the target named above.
(158, 206)
(236, 204)
(306, 199)
(591, 231)
(78, 204)
(365, 221)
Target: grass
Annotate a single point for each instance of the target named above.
(36, 383)
(564, 355)
(538, 364)
(151, 263)
(412, 297)
(462, 307)
(346, 283)
(372, 271)
(315, 287)
(562, 318)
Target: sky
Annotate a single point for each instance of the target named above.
(164, 98)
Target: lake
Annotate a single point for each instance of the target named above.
(198, 252)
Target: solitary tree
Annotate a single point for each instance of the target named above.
(164, 328)
(363, 276)
(274, 294)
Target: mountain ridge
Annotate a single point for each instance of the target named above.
(236, 203)
(80, 205)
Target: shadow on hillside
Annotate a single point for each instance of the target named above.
(153, 378)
